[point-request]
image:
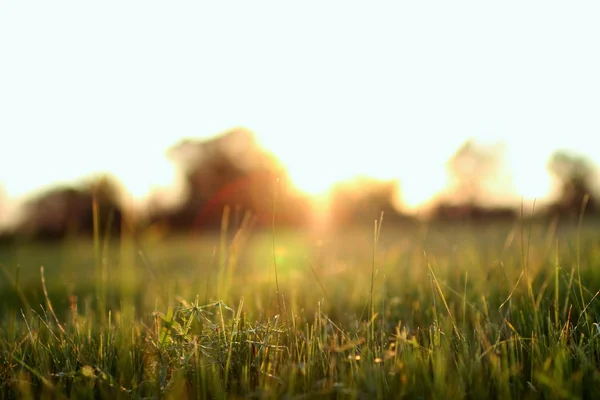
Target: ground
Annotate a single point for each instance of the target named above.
(431, 311)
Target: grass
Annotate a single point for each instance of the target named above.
(504, 311)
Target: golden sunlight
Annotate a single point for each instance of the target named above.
(418, 189)
(313, 184)
(420, 182)
(415, 188)
(530, 177)
(533, 184)
(315, 169)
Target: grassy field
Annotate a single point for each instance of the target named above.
(504, 311)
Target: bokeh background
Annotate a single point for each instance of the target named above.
(327, 113)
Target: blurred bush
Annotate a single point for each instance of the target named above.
(63, 211)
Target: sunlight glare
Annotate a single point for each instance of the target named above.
(418, 189)
(313, 184)
(530, 177)
(158, 180)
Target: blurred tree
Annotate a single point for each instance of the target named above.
(361, 200)
(577, 177)
(473, 170)
(478, 185)
(231, 170)
(5, 234)
(58, 212)
(3, 207)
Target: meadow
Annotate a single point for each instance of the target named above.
(408, 311)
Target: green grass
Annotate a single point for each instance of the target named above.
(504, 311)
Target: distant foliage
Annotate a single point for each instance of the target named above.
(231, 170)
(474, 171)
(362, 200)
(578, 180)
(477, 182)
(56, 213)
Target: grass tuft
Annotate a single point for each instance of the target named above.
(464, 314)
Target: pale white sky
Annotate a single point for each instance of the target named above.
(388, 89)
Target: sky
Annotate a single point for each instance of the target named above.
(334, 89)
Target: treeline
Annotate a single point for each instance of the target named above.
(233, 171)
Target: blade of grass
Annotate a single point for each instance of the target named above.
(49, 303)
